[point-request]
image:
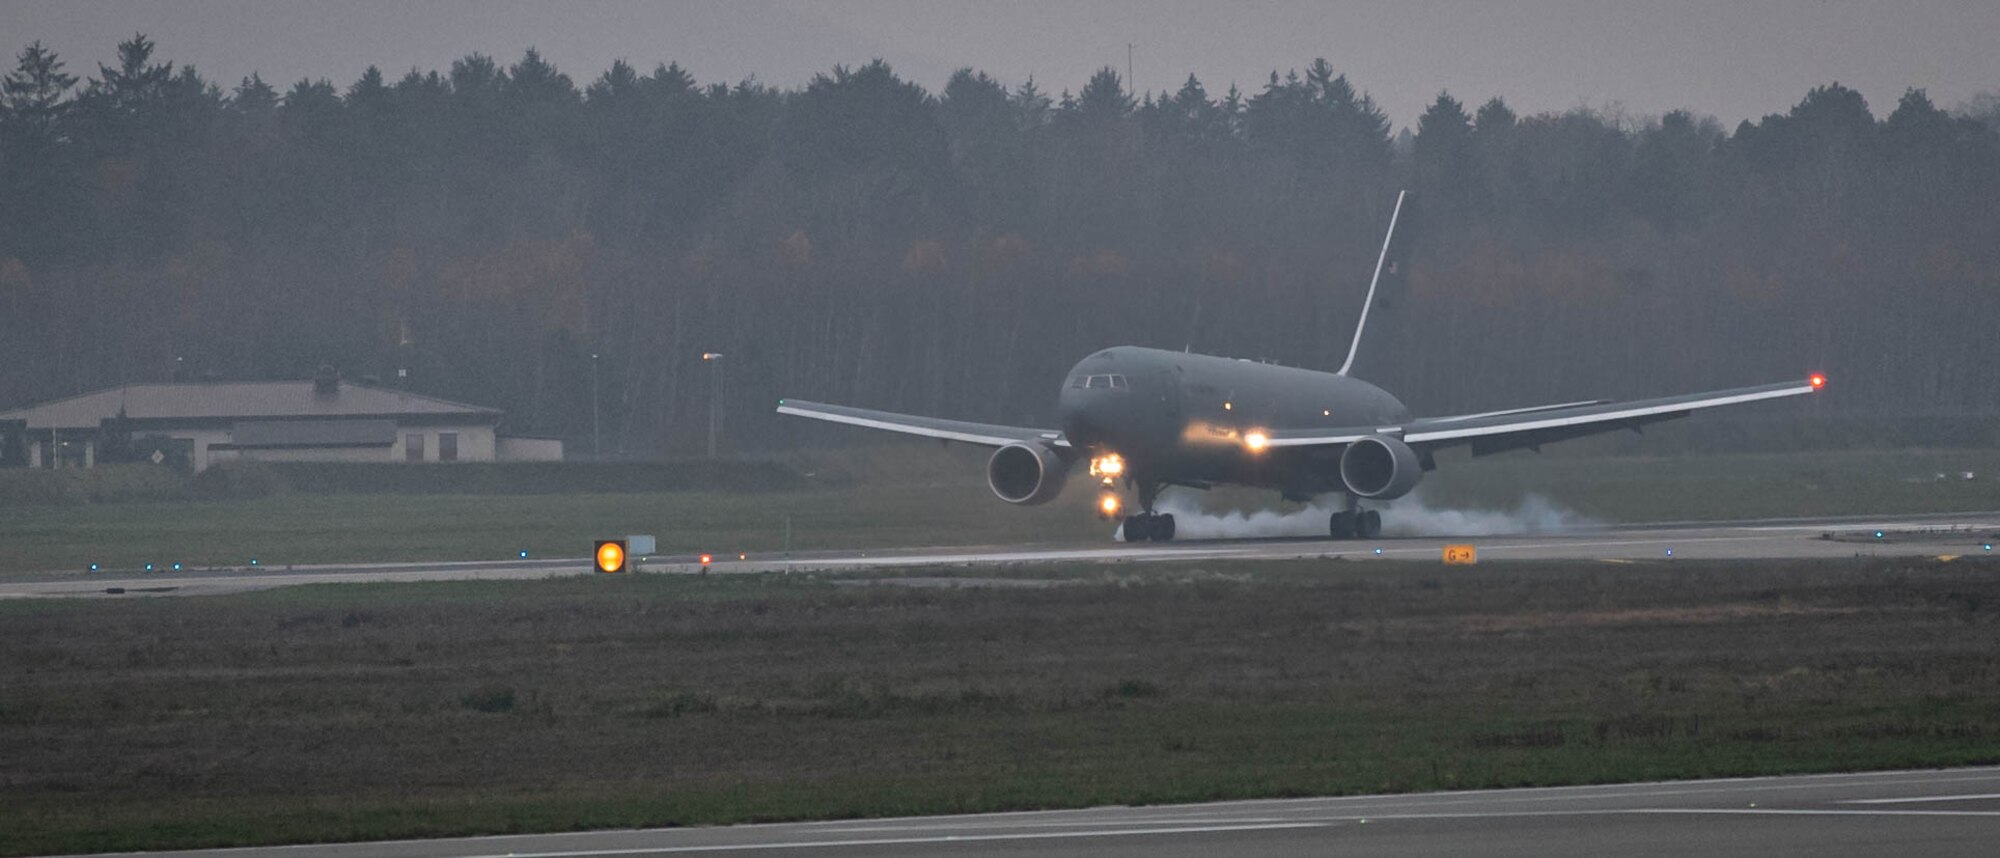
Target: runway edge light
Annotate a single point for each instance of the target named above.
(610, 555)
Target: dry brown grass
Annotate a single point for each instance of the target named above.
(401, 710)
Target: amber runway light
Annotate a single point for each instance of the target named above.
(610, 555)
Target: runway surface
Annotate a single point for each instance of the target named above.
(1951, 535)
(1932, 813)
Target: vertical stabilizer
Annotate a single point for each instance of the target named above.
(1369, 302)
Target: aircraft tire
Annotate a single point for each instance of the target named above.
(1138, 528)
(1163, 527)
(1340, 525)
(1370, 524)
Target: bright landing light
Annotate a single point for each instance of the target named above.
(1256, 440)
(1108, 505)
(1107, 468)
(1817, 380)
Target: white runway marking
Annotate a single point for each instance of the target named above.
(1888, 526)
(1805, 811)
(899, 841)
(1923, 798)
(1189, 821)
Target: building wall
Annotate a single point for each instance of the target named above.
(303, 454)
(476, 443)
(201, 439)
(530, 449)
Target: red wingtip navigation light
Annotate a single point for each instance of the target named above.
(1817, 380)
(610, 555)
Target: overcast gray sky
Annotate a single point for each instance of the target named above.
(1733, 60)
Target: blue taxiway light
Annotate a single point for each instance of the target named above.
(1670, 552)
(1878, 534)
(177, 567)
(524, 554)
(149, 567)
(253, 561)
(1378, 551)
(1988, 546)
(93, 567)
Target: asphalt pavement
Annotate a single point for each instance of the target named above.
(1951, 535)
(1948, 812)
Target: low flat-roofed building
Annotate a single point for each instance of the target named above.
(202, 423)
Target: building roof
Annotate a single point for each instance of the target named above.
(236, 400)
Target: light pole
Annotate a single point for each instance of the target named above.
(596, 437)
(714, 360)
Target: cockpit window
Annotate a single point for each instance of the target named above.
(1100, 382)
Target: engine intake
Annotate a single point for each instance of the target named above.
(1026, 474)
(1381, 467)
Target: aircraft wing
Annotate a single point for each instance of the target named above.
(983, 434)
(1497, 431)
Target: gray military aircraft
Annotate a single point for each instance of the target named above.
(1148, 419)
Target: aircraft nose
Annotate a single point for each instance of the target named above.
(1071, 403)
(1084, 413)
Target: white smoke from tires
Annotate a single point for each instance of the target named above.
(1409, 516)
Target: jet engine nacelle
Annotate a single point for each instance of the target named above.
(1026, 474)
(1380, 467)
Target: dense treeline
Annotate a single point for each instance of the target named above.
(491, 228)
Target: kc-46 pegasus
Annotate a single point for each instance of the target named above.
(1141, 419)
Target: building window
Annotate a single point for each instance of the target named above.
(413, 447)
(447, 446)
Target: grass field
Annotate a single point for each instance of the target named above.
(376, 711)
(913, 496)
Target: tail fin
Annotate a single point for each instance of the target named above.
(1369, 302)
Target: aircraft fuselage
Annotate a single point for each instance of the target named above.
(1183, 418)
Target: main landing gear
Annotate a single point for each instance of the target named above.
(1149, 526)
(1354, 523)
